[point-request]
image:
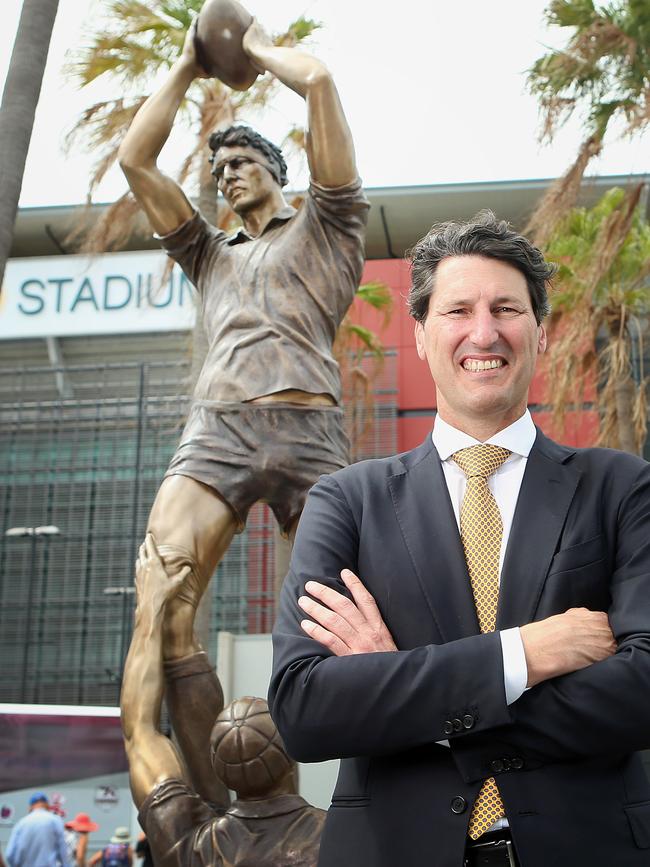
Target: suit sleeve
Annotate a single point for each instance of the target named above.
(376, 703)
(603, 709)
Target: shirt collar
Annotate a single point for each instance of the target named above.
(518, 437)
(241, 235)
(261, 809)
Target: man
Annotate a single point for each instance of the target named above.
(37, 840)
(483, 709)
(268, 825)
(265, 421)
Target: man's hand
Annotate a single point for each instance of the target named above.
(566, 643)
(154, 587)
(343, 626)
(256, 38)
(188, 54)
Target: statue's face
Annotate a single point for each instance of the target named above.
(243, 178)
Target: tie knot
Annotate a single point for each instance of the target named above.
(481, 460)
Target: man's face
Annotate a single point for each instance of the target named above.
(244, 183)
(481, 341)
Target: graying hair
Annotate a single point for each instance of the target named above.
(483, 235)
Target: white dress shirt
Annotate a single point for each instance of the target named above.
(504, 484)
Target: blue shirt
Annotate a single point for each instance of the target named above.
(37, 841)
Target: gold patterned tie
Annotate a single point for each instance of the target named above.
(481, 531)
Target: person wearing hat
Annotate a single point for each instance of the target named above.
(118, 853)
(37, 840)
(76, 838)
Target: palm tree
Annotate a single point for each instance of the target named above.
(603, 301)
(604, 72)
(19, 101)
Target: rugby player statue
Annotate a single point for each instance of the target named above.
(265, 420)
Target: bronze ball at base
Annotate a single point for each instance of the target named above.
(218, 38)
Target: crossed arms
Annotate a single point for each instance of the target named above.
(342, 698)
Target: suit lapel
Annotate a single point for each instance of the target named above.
(426, 519)
(547, 489)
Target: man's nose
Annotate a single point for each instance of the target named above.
(228, 172)
(484, 329)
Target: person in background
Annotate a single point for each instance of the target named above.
(76, 838)
(37, 840)
(118, 853)
(142, 850)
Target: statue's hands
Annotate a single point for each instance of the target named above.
(344, 626)
(256, 39)
(154, 587)
(188, 53)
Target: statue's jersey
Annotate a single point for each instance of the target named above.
(271, 305)
(184, 831)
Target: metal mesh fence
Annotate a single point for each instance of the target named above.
(83, 449)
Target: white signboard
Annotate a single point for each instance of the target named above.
(115, 293)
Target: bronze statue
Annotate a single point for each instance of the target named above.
(265, 422)
(267, 825)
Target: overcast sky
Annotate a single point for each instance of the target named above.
(435, 93)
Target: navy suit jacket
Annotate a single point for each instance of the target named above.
(564, 755)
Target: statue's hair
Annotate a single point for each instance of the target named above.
(241, 135)
(483, 235)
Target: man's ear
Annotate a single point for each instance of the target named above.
(419, 340)
(541, 340)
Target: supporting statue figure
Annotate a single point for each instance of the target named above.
(267, 825)
(265, 421)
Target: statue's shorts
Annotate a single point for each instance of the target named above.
(273, 452)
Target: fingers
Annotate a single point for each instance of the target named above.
(336, 602)
(150, 548)
(364, 600)
(346, 626)
(329, 619)
(327, 639)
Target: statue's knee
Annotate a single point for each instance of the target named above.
(175, 558)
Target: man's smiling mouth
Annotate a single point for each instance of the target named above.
(475, 364)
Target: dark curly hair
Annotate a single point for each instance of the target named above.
(483, 235)
(241, 135)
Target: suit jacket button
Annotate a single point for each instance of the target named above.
(458, 805)
(497, 766)
(448, 727)
(457, 724)
(468, 721)
(517, 763)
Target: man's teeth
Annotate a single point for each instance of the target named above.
(473, 364)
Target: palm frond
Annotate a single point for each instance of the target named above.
(561, 196)
(603, 68)
(599, 295)
(379, 296)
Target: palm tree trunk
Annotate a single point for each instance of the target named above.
(625, 396)
(19, 101)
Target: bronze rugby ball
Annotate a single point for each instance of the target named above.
(220, 29)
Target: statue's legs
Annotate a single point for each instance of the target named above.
(192, 527)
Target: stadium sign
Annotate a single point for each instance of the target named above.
(115, 293)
